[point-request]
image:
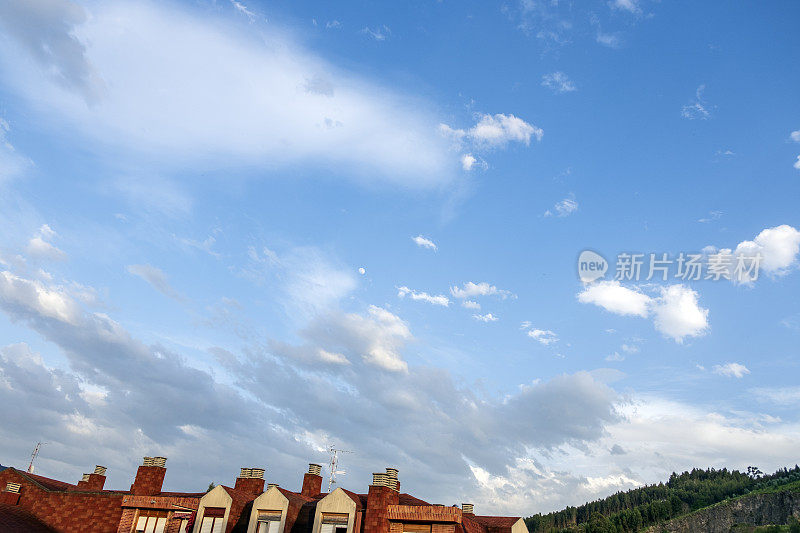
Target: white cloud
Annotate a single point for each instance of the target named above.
(797, 163)
(677, 314)
(543, 336)
(778, 395)
(778, 246)
(564, 208)
(731, 370)
(611, 40)
(469, 161)
(795, 136)
(424, 242)
(631, 6)
(333, 24)
(697, 108)
(616, 356)
(156, 278)
(471, 290)
(630, 348)
(440, 299)
(558, 82)
(39, 247)
(32, 295)
(488, 317)
(243, 9)
(613, 297)
(471, 304)
(153, 73)
(494, 131)
(362, 270)
(379, 33)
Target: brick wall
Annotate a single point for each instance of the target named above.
(250, 485)
(68, 512)
(376, 515)
(149, 480)
(312, 485)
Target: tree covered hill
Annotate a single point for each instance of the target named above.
(635, 509)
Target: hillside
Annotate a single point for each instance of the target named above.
(684, 497)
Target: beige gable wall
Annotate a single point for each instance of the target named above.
(216, 497)
(335, 502)
(271, 500)
(519, 527)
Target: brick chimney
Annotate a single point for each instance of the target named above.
(94, 481)
(312, 481)
(251, 481)
(381, 495)
(150, 477)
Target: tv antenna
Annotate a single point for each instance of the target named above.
(333, 465)
(33, 456)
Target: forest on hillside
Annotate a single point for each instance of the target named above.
(629, 511)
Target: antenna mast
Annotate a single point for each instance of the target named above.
(333, 465)
(33, 456)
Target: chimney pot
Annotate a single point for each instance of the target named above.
(100, 470)
(270, 485)
(314, 469)
(160, 462)
(257, 473)
(468, 508)
(244, 473)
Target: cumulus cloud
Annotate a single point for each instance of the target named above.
(558, 82)
(778, 246)
(731, 370)
(424, 242)
(631, 6)
(469, 162)
(488, 317)
(613, 297)
(440, 299)
(472, 290)
(795, 136)
(543, 336)
(153, 73)
(156, 278)
(676, 311)
(39, 247)
(470, 304)
(494, 131)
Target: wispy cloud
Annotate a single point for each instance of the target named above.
(379, 33)
(558, 82)
(440, 299)
(157, 279)
(471, 290)
(564, 208)
(731, 370)
(488, 317)
(698, 108)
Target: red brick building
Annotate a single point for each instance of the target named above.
(56, 506)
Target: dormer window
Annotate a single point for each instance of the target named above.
(334, 522)
(268, 521)
(213, 520)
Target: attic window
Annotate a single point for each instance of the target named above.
(268, 521)
(213, 520)
(151, 522)
(334, 522)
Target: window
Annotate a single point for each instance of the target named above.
(268, 521)
(334, 522)
(213, 520)
(151, 522)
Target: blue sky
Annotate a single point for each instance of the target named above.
(237, 232)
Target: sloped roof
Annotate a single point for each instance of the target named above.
(14, 519)
(496, 521)
(408, 499)
(46, 482)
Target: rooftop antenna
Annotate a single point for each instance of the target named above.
(333, 465)
(33, 456)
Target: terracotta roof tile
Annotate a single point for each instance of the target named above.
(14, 519)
